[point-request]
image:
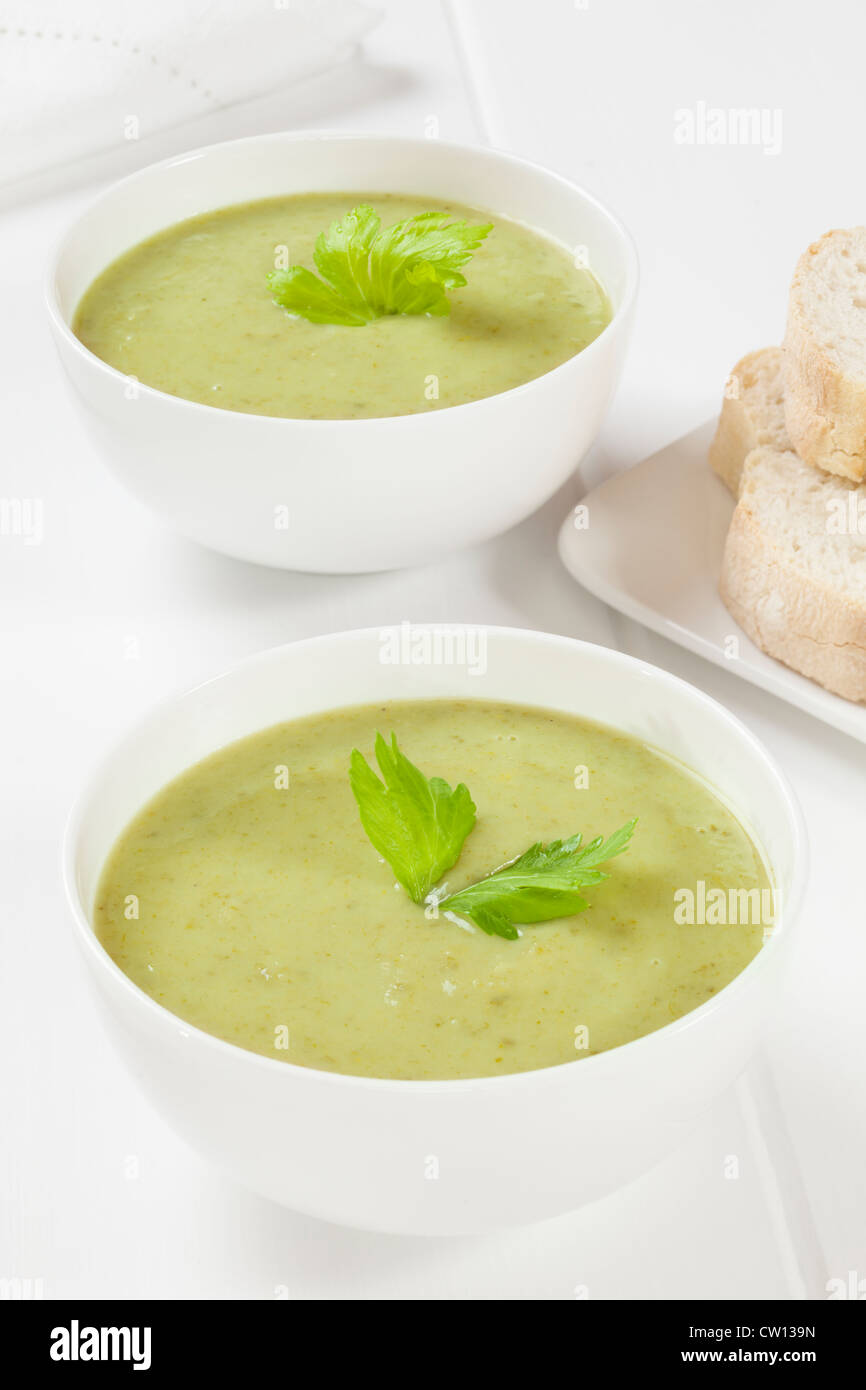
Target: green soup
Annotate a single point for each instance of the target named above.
(189, 312)
(260, 912)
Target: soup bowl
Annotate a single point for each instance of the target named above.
(339, 496)
(507, 1149)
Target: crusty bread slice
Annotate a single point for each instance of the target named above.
(753, 413)
(825, 354)
(794, 569)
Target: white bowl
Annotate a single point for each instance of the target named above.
(360, 494)
(510, 1149)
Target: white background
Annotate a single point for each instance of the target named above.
(98, 1197)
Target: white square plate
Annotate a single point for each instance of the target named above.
(651, 546)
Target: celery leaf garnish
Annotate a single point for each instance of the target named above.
(368, 271)
(543, 883)
(417, 824)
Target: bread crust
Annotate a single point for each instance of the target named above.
(789, 614)
(748, 416)
(825, 405)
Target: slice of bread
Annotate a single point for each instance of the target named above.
(825, 354)
(794, 569)
(753, 413)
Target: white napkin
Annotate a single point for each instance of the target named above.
(82, 76)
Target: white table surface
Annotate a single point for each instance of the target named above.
(98, 1197)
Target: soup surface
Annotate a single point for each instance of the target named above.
(189, 311)
(265, 916)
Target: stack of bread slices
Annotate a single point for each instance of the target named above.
(791, 447)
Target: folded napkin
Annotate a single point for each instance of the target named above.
(82, 76)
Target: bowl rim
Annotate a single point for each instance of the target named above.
(597, 1062)
(63, 329)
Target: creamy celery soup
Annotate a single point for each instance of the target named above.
(247, 899)
(190, 312)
